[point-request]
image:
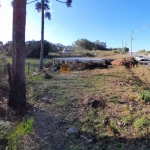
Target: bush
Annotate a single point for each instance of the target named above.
(3, 74)
(87, 54)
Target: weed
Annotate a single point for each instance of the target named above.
(5, 128)
(24, 128)
(114, 99)
(75, 147)
(71, 137)
(145, 95)
(63, 101)
(139, 122)
(113, 123)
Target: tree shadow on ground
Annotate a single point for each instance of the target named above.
(49, 133)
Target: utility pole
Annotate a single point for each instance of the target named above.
(131, 43)
(122, 48)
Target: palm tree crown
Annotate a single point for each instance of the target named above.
(38, 7)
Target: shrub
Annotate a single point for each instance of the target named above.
(87, 54)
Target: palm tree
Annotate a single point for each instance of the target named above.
(41, 7)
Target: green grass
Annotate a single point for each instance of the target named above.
(64, 101)
(145, 95)
(139, 122)
(31, 60)
(24, 128)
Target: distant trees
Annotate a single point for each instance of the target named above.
(125, 50)
(8, 48)
(33, 48)
(86, 44)
(1, 45)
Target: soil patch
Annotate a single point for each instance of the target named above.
(127, 62)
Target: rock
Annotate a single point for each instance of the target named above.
(89, 141)
(83, 137)
(72, 130)
(34, 73)
(119, 123)
(45, 98)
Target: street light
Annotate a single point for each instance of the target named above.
(131, 43)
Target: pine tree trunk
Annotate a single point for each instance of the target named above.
(42, 36)
(17, 93)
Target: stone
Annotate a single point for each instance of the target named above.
(45, 98)
(83, 137)
(72, 130)
(89, 141)
(119, 123)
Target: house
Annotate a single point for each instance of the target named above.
(66, 50)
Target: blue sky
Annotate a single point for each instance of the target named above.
(108, 21)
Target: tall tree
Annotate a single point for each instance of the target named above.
(16, 71)
(41, 7)
(17, 92)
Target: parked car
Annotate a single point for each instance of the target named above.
(139, 58)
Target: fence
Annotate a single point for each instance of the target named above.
(30, 68)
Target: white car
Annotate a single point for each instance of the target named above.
(139, 58)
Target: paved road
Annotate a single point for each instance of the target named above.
(145, 62)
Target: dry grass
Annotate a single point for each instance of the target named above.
(118, 88)
(121, 121)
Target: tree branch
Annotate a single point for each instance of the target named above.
(60, 1)
(32, 1)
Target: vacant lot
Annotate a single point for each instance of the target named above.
(103, 105)
(87, 110)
